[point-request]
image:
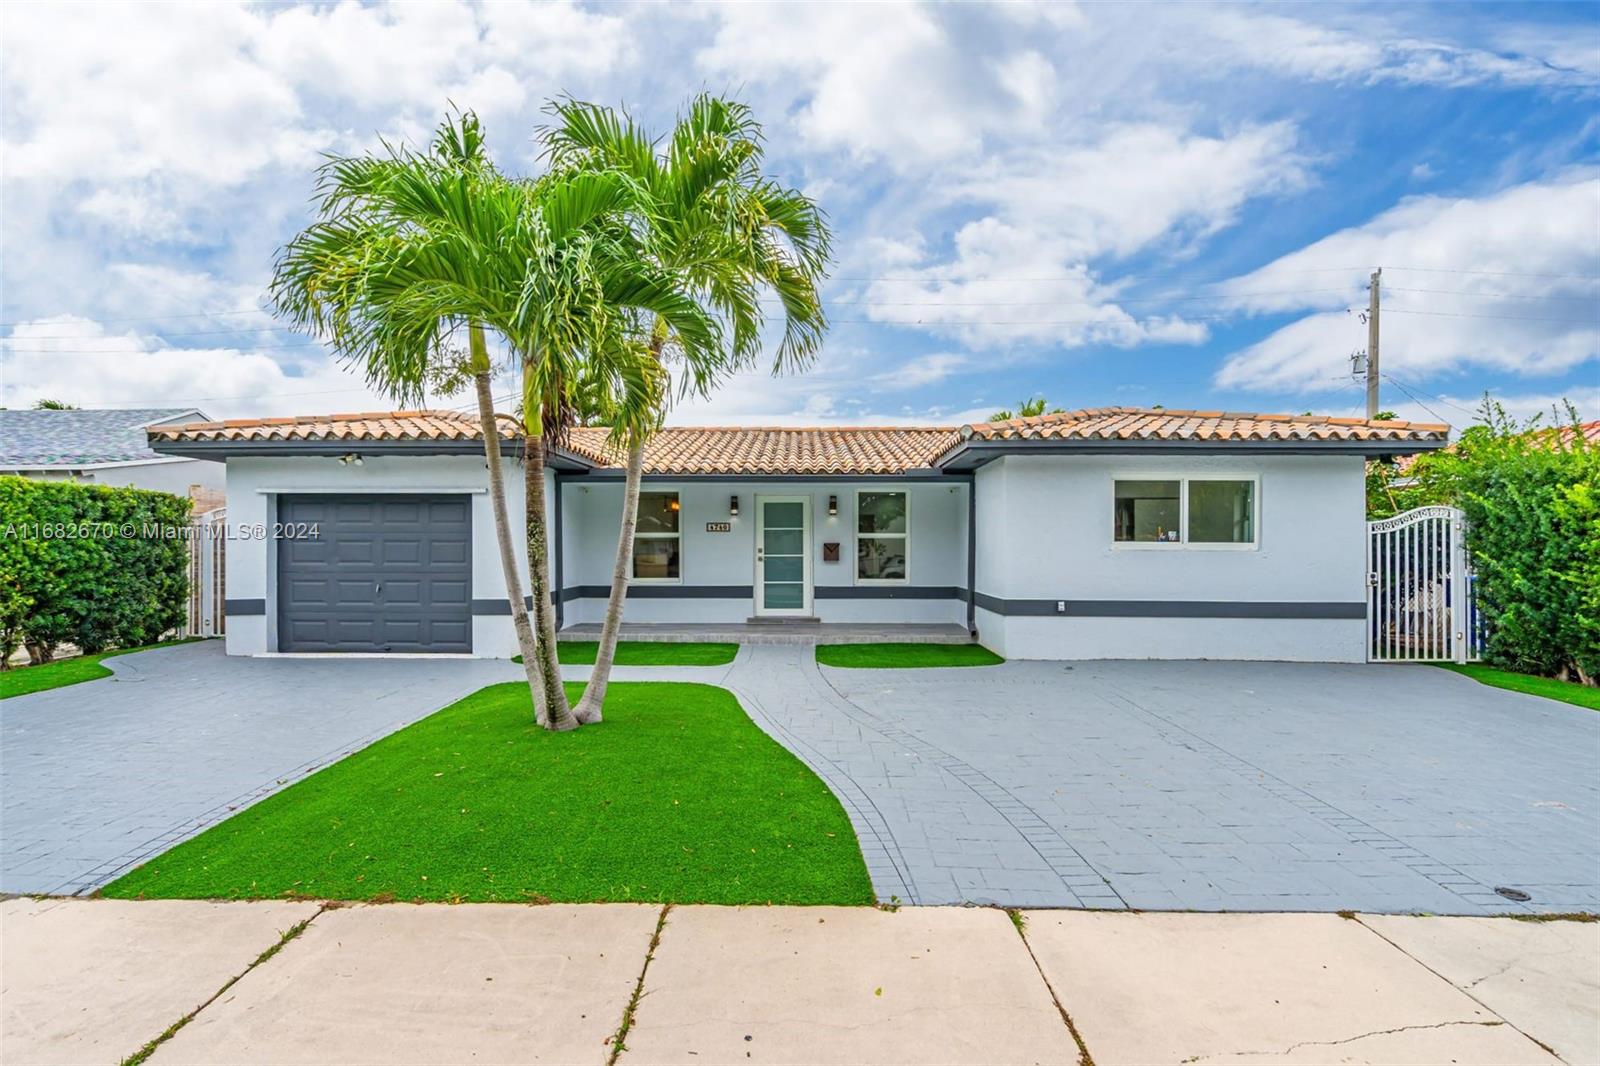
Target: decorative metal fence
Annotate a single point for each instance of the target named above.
(1422, 595)
(207, 570)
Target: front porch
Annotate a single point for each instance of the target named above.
(779, 632)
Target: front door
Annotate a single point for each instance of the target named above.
(783, 555)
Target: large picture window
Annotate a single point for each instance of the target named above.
(658, 538)
(1173, 512)
(883, 537)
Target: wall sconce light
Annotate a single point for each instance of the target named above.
(351, 459)
(833, 505)
(733, 507)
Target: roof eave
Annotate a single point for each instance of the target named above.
(971, 454)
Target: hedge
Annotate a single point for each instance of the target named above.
(93, 565)
(1531, 495)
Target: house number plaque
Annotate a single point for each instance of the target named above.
(719, 527)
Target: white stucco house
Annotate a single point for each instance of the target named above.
(1104, 533)
(107, 447)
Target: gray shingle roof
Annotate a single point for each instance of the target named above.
(32, 439)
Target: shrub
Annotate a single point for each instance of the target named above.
(121, 581)
(1532, 501)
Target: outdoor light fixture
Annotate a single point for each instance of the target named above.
(733, 507)
(351, 459)
(833, 505)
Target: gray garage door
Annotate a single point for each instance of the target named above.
(384, 574)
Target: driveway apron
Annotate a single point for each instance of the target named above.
(1192, 785)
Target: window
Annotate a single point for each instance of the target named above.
(883, 537)
(1148, 511)
(1200, 512)
(657, 539)
(1222, 512)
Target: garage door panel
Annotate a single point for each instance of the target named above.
(402, 551)
(390, 573)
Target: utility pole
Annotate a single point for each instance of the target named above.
(1372, 345)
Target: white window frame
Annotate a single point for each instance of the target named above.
(1184, 543)
(856, 535)
(678, 536)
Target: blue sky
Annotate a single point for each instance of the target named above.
(1101, 204)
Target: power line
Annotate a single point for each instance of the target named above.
(1493, 295)
(1494, 273)
(156, 318)
(1415, 398)
(1511, 318)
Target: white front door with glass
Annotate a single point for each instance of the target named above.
(783, 555)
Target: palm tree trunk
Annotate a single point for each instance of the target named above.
(558, 710)
(594, 694)
(502, 519)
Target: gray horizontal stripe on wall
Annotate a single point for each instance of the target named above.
(663, 592)
(242, 608)
(1169, 609)
(889, 592)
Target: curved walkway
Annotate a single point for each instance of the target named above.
(1192, 785)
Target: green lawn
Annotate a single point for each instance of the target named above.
(677, 797)
(21, 680)
(905, 656)
(649, 653)
(1548, 687)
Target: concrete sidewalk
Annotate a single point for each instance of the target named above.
(93, 981)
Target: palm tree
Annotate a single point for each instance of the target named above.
(411, 251)
(716, 221)
(54, 405)
(1029, 408)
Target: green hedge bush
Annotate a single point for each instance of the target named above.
(1531, 495)
(93, 565)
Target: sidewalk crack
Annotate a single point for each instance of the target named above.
(1343, 1040)
(617, 1039)
(172, 1030)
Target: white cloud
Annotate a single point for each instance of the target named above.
(882, 81)
(1505, 281)
(85, 363)
(1022, 273)
(1461, 411)
(1375, 50)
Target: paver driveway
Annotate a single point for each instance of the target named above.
(1196, 785)
(1157, 786)
(97, 777)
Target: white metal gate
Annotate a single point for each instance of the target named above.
(1421, 596)
(207, 569)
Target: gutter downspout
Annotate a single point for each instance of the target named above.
(972, 556)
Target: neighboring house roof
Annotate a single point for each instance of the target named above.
(1563, 435)
(814, 450)
(34, 440)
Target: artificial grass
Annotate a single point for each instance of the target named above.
(904, 656)
(1548, 687)
(648, 653)
(675, 797)
(21, 680)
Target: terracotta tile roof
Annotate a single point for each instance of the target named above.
(780, 449)
(372, 425)
(1139, 423)
(818, 450)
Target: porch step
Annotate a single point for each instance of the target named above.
(772, 631)
(796, 620)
